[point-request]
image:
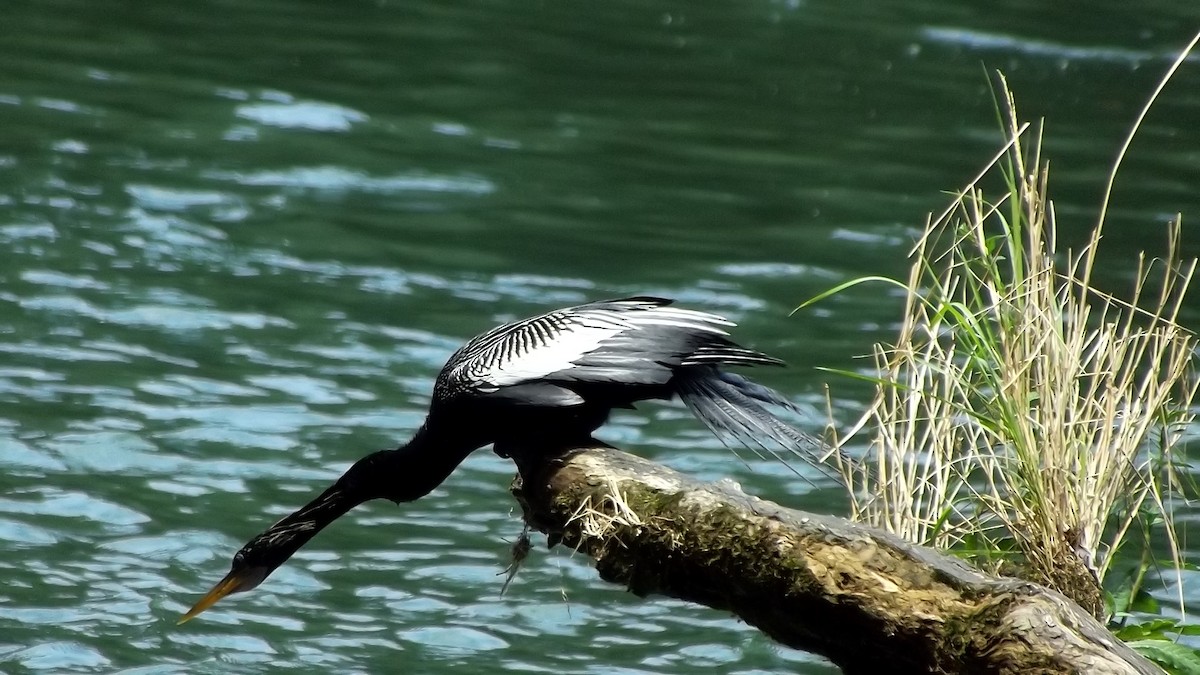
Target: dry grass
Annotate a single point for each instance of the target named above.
(1015, 409)
(599, 520)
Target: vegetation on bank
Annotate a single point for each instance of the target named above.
(1026, 417)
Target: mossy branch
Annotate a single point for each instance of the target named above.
(865, 599)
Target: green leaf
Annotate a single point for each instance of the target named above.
(1144, 602)
(1174, 657)
(848, 284)
(1154, 629)
(1120, 597)
(1183, 565)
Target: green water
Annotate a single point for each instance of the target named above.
(238, 239)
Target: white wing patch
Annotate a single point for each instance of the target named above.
(541, 360)
(554, 342)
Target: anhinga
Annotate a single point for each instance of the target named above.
(536, 385)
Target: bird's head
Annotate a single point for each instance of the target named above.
(266, 552)
(250, 567)
(402, 474)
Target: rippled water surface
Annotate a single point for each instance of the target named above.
(237, 241)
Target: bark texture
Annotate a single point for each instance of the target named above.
(865, 599)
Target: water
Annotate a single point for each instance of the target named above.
(237, 241)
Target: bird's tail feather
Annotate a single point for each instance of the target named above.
(732, 407)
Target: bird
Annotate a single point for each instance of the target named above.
(541, 384)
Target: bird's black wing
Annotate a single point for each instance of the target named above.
(632, 341)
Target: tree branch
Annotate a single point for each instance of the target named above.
(865, 599)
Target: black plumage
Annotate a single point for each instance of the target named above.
(543, 383)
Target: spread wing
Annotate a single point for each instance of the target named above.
(632, 341)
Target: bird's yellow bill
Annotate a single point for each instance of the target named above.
(230, 584)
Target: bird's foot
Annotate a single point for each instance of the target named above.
(520, 550)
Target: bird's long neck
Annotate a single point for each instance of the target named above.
(403, 474)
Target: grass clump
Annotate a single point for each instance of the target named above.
(1024, 415)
